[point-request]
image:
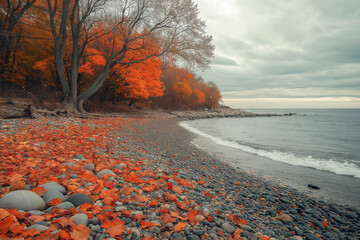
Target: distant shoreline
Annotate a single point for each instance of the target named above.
(222, 112)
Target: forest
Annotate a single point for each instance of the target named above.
(84, 52)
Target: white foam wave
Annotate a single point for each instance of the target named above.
(340, 168)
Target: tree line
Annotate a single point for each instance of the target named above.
(108, 50)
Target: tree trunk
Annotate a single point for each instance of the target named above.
(59, 64)
(93, 88)
(74, 73)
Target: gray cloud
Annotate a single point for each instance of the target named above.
(221, 60)
(305, 45)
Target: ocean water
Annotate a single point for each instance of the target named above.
(318, 146)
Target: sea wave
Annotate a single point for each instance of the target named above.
(347, 168)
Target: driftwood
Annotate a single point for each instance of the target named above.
(19, 109)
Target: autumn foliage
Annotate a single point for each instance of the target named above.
(136, 74)
(37, 153)
(184, 90)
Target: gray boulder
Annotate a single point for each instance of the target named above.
(80, 218)
(104, 172)
(53, 194)
(120, 166)
(80, 157)
(80, 199)
(38, 227)
(65, 205)
(228, 227)
(53, 186)
(89, 167)
(22, 200)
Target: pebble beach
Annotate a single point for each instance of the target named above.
(141, 178)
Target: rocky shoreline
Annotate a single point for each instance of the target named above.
(141, 178)
(221, 112)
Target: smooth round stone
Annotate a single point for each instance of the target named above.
(228, 227)
(65, 205)
(311, 236)
(53, 186)
(155, 230)
(246, 228)
(69, 164)
(36, 212)
(80, 199)
(119, 166)
(104, 172)
(61, 176)
(89, 167)
(50, 209)
(192, 237)
(22, 200)
(53, 194)
(38, 227)
(94, 221)
(44, 223)
(134, 232)
(80, 218)
(176, 235)
(80, 157)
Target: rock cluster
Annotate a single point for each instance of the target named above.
(148, 182)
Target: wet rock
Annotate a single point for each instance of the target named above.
(313, 187)
(79, 199)
(22, 200)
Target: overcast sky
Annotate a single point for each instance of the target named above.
(285, 53)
